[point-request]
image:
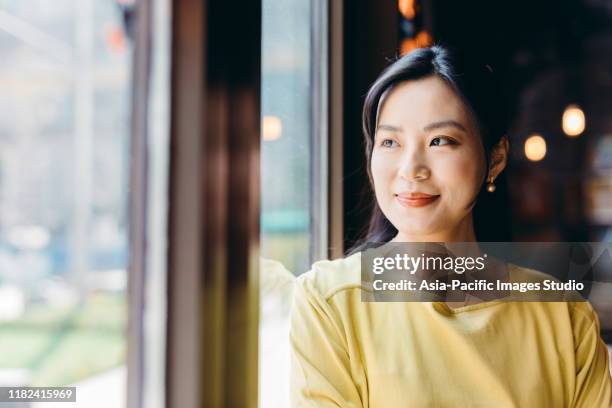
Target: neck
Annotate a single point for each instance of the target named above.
(462, 232)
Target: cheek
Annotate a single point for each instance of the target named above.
(382, 172)
(460, 175)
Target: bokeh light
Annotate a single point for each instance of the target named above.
(535, 147)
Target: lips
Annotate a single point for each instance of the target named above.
(416, 199)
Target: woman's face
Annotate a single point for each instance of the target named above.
(427, 162)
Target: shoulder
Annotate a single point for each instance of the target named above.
(580, 312)
(522, 274)
(584, 320)
(318, 299)
(329, 277)
(580, 309)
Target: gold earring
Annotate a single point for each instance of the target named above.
(491, 186)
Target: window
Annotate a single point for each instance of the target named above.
(64, 172)
(293, 180)
(286, 149)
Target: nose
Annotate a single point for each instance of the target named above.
(414, 167)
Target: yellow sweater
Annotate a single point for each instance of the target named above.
(349, 353)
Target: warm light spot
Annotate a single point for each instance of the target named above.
(423, 39)
(535, 148)
(407, 45)
(115, 39)
(272, 127)
(573, 121)
(406, 7)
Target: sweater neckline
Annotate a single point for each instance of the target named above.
(446, 309)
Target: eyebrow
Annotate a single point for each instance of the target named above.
(390, 128)
(430, 127)
(443, 124)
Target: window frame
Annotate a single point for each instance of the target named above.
(319, 185)
(213, 266)
(211, 305)
(147, 272)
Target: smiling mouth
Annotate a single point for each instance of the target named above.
(418, 201)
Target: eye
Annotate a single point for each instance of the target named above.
(441, 141)
(388, 143)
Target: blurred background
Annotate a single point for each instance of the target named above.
(64, 172)
(553, 60)
(70, 154)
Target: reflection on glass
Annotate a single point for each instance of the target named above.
(286, 144)
(64, 121)
(286, 196)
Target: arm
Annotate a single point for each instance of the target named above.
(320, 366)
(593, 381)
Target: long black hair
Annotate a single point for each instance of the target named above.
(473, 81)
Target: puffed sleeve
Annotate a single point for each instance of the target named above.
(320, 366)
(593, 381)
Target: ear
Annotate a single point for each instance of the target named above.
(499, 158)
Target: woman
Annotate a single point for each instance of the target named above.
(434, 144)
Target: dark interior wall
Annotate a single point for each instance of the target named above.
(371, 38)
(548, 55)
(523, 40)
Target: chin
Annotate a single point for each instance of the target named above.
(417, 229)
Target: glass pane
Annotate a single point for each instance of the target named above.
(286, 133)
(64, 139)
(287, 162)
